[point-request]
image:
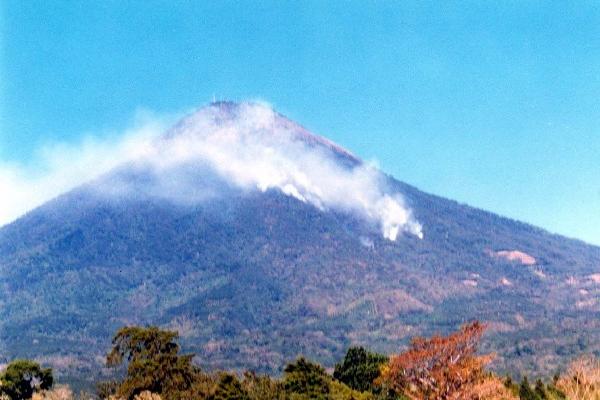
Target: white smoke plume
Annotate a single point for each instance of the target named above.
(57, 168)
(253, 148)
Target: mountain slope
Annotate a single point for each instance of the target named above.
(253, 274)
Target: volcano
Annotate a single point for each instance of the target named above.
(258, 240)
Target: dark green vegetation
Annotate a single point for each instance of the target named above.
(154, 364)
(359, 369)
(152, 360)
(22, 377)
(253, 280)
(539, 391)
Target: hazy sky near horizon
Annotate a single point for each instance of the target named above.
(493, 104)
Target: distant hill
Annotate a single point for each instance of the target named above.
(252, 274)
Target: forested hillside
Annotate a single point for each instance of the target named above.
(253, 278)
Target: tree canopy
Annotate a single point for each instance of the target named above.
(359, 368)
(23, 377)
(153, 362)
(441, 367)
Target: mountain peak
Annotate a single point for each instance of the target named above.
(252, 146)
(254, 118)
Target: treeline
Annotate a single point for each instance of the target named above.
(437, 368)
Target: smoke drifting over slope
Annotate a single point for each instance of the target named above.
(251, 147)
(57, 168)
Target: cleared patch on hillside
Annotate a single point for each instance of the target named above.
(516, 256)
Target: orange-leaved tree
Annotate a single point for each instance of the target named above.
(443, 368)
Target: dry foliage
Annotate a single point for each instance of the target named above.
(582, 379)
(489, 388)
(58, 393)
(146, 395)
(444, 367)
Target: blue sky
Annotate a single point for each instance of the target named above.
(494, 105)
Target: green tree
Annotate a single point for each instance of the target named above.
(105, 389)
(547, 392)
(359, 369)
(525, 391)
(307, 379)
(261, 387)
(229, 388)
(153, 362)
(23, 377)
(540, 390)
